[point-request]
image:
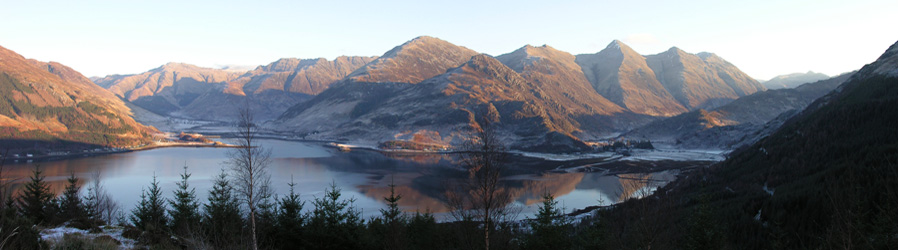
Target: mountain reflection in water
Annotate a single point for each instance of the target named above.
(364, 175)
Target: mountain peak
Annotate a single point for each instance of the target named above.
(675, 50)
(177, 66)
(414, 61)
(484, 63)
(616, 44)
(619, 47)
(529, 55)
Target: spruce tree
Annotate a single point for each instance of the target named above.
(36, 197)
(394, 222)
(149, 215)
(222, 219)
(393, 215)
(71, 207)
(290, 220)
(184, 212)
(550, 229)
(337, 223)
(423, 232)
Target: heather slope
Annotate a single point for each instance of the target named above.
(48, 105)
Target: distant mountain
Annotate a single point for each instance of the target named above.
(701, 80)
(563, 95)
(738, 122)
(167, 88)
(439, 109)
(541, 103)
(306, 76)
(622, 75)
(48, 105)
(665, 84)
(793, 80)
(414, 61)
(274, 88)
(559, 81)
(188, 91)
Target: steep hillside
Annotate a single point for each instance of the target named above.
(622, 75)
(701, 80)
(829, 173)
(738, 122)
(825, 179)
(48, 105)
(793, 80)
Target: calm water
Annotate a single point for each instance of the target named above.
(362, 175)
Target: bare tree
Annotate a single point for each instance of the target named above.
(249, 166)
(480, 197)
(100, 205)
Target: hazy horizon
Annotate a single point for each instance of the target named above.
(763, 39)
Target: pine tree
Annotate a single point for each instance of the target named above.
(423, 232)
(290, 220)
(184, 212)
(393, 215)
(71, 206)
(222, 218)
(35, 198)
(702, 230)
(550, 228)
(394, 221)
(337, 223)
(149, 215)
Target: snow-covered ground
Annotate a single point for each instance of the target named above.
(54, 235)
(563, 157)
(638, 155)
(676, 155)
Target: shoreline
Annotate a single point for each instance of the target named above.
(90, 153)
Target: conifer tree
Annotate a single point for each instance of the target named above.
(290, 220)
(392, 214)
(71, 207)
(36, 196)
(184, 212)
(222, 218)
(423, 231)
(149, 215)
(394, 221)
(337, 223)
(550, 228)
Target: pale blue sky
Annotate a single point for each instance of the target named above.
(763, 38)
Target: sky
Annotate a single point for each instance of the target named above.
(762, 38)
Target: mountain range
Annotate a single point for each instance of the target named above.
(739, 122)
(793, 80)
(664, 84)
(543, 98)
(430, 91)
(187, 91)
